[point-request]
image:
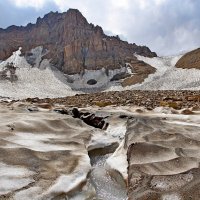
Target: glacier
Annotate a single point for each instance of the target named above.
(45, 81)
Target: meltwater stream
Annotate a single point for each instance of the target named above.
(108, 183)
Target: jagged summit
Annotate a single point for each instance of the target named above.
(71, 43)
(73, 17)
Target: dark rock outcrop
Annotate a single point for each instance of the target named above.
(90, 119)
(8, 73)
(72, 43)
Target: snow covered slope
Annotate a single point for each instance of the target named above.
(33, 82)
(43, 80)
(167, 76)
(34, 77)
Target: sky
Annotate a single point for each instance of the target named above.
(167, 27)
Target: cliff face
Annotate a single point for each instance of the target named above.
(190, 60)
(72, 43)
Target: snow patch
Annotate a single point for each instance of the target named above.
(66, 183)
(13, 178)
(33, 82)
(117, 130)
(40, 142)
(166, 77)
(118, 160)
(171, 197)
(102, 77)
(18, 60)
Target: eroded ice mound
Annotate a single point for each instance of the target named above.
(48, 155)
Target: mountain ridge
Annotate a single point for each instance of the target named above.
(72, 43)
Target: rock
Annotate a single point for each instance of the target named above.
(9, 73)
(32, 108)
(71, 43)
(196, 108)
(193, 98)
(119, 98)
(33, 100)
(123, 116)
(45, 106)
(103, 103)
(187, 112)
(190, 60)
(92, 82)
(119, 76)
(90, 119)
(61, 111)
(172, 98)
(141, 72)
(174, 105)
(139, 110)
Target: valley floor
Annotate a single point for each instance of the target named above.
(50, 151)
(149, 99)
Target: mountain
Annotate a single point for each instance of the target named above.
(70, 42)
(190, 60)
(63, 55)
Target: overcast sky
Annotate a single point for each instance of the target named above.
(166, 26)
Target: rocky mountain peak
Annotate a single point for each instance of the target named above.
(75, 17)
(48, 18)
(72, 17)
(73, 44)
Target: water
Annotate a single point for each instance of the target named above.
(108, 183)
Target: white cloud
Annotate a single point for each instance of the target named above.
(120, 4)
(143, 4)
(29, 3)
(159, 2)
(63, 5)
